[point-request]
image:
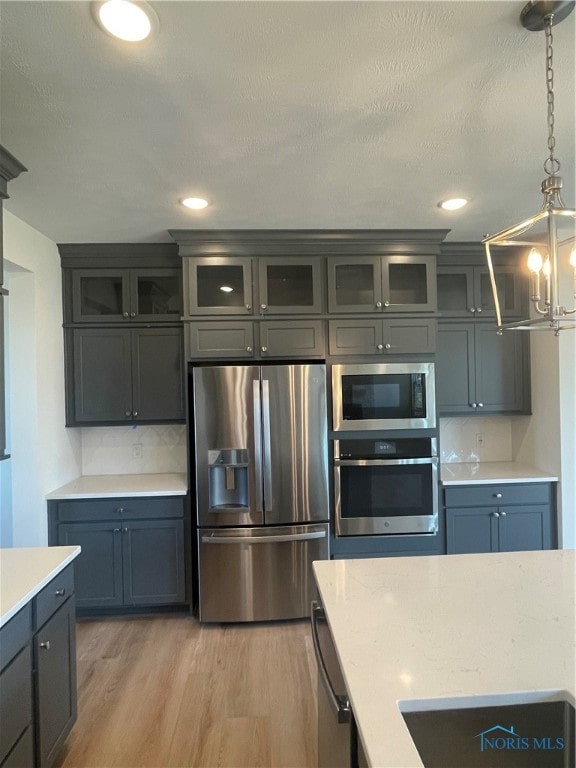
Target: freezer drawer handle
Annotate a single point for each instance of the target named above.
(264, 539)
(340, 703)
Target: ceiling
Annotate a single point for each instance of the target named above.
(284, 115)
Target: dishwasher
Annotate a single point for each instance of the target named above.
(337, 733)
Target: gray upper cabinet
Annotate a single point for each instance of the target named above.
(392, 336)
(230, 339)
(391, 283)
(218, 285)
(467, 291)
(290, 285)
(122, 375)
(120, 295)
(478, 371)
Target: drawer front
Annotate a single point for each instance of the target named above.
(16, 701)
(498, 495)
(15, 634)
(95, 510)
(54, 594)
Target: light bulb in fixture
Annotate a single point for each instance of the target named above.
(453, 204)
(195, 203)
(127, 20)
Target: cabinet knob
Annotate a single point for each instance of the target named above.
(125, 315)
(116, 530)
(387, 346)
(249, 307)
(379, 347)
(473, 405)
(480, 405)
(478, 309)
(502, 514)
(45, 645)
(495, 514)
(263, 306)
(132, 314)
(264, 349)
(128, 413)
(378, 305)
(248, 349)
(120, 510)
(386, 303)
(472, 309)
(60, 592)
(125, 530)
(497, 495)
(135, 413)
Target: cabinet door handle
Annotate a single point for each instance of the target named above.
(45, 645)
(116, 530)
(132, 314)
(248, 349)
(478, 309)
(472, 309)
(264, 349)
(387, 346)
(125, 530)
(473, 405)
(380, 347)
(378, 305)
(502, 514)
(60, 592)
(249, 307)
(386, 303)
(497, 495)
(480, 405)
(495, 514)
(263, 306)
(128, 413)
(135, 413)
(119, 510)
(125, 315)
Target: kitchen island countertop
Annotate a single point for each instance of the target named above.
(24, 571)
(411, 629)
(118, 486)
(487, 472)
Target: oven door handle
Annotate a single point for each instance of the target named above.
(383, 462)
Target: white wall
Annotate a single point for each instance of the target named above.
(44, 454)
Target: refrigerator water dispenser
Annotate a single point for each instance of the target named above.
(228, 485)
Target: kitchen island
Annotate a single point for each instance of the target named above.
(497, 627)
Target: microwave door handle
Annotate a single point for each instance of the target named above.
(267, 458)
(340, 704)
(257, 444)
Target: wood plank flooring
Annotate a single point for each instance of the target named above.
(165, 691)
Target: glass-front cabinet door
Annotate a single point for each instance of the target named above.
(409, 283)
(155, 295)
(219, 285)
(456, 291)
(290, 285)
(100, 295)
(354, 284)
(509, 286)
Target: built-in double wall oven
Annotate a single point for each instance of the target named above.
(385, 449)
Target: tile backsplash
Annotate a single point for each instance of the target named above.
(134, 450)
(480, 438)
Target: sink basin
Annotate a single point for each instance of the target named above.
(539, 734)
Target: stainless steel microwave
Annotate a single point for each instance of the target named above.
(383, 396)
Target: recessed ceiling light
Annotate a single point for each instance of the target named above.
(196, 203)
(454, 204)
(130, 21)
(226, 288)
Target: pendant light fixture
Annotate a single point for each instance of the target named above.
(548, 237)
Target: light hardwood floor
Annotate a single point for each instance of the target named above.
(166, 691)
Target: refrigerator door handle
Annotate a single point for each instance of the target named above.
(257, 444)
(340, 703)
(283, 537)
(267, 459)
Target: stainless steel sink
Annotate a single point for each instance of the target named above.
(536, 734)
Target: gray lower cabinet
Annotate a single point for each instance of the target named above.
(133, 550)
(478, 371)
(500, 518)
(382, 337)
(38, 676)
(122, 375)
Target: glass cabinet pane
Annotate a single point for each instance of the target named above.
(408, 284)
(355, 285)
(100, 295)
(290, 285)
(220, 285)
(507, 287)
(158, 295)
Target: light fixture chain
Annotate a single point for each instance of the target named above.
(552, 164)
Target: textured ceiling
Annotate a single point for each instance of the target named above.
(283, 114)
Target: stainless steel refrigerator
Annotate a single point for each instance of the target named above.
(261, 471)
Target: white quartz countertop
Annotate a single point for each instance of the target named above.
(112, 486)
(487, 472)
(411, 629)
(25, 571)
